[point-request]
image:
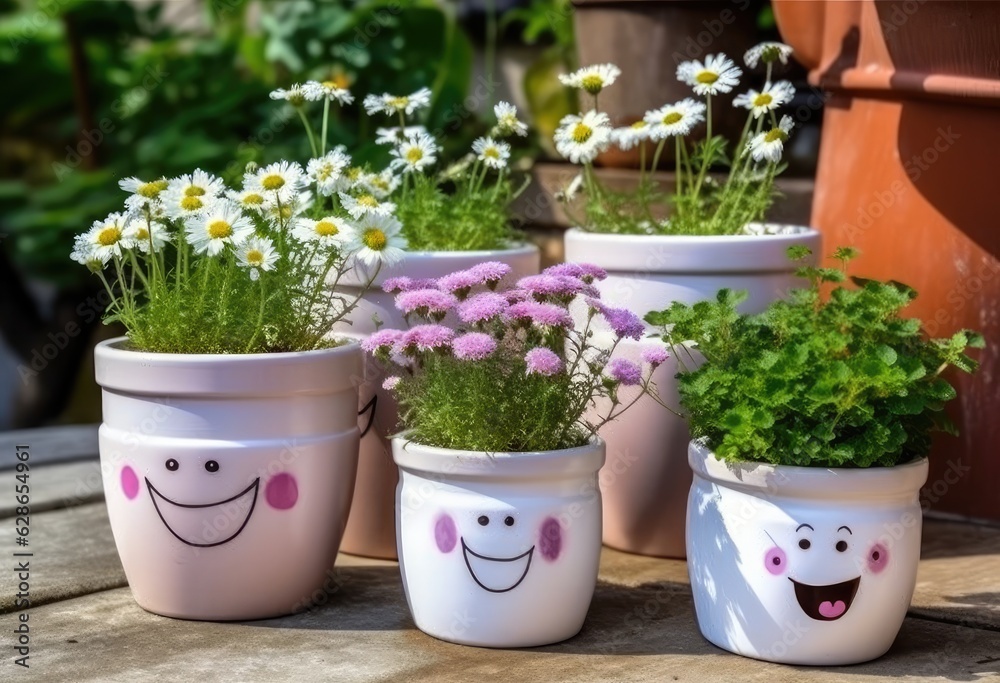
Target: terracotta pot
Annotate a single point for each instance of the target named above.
(904, 174)
(647, 39)
(228, 478)
(646, 480)
(802, 565)
(499, 549)
(371, 527)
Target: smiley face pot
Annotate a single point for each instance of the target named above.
(500, 549)
(802, 565)
(228, 478)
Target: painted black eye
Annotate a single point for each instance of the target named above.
(483, 520)
(508, 520)
(841, 546)
(172, 465)
(212, 466)
(805, 544)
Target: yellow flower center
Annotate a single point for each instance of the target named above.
(109, 236)
(326, 229)
(273, 182)
(153, 189)
(380, 183)
(255, 257)
(218, 230)
(194, 191)
(191, 204)
(581, 133)
(592, 83)
(253, 199)
(491, 153)
(762, 100)
(284, 213)
(775, 134)
(414, 155)
(639, 125)
(325, 172)
(142, 234)
(368, 201)
(707, 77)
(353, 173)
(374, 239)
(672, 118)
(398, 103)
(332, 85)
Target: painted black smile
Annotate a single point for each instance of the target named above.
(468, 563)
(154, 494)
(826, 603)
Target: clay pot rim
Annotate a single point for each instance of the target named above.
(529, 465)
(842, 484)
(317, 371)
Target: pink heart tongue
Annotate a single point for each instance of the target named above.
(831, 610)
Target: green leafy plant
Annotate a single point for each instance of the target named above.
(702, 203)
(503, 369)
(843, 381)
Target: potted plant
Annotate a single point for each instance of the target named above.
(450, 219)
(677, 244)
(811, 425)
(498, 506)
(230, 413)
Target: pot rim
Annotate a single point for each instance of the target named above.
(355, 276)
(111, 349)
(812, 483)
(792, 232)
(414, 456)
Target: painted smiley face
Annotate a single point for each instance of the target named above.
(499, 573)
(823, 602)
(212, 523)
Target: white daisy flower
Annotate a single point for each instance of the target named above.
(507, 121)
(142, 194)
(581, 138)
(249, 198)
(393, 136)
(221, 224)
(278, 182)
(351, 178)
(628, 137)
(491, 152)
(327, 231)
(767, 52)
(105, 239)
(83, 253)
(377, 239)
(593, 79)
(293, 95)
(768, 99)
(770, 144)
(379, 184)
(414, 154)
(675, 119)
(365, 205)
(287, 215)
(146, 235)
(393, 104)
(327, 170)
(717, 74)
(315, 91)
(190, 193)
(257, 254)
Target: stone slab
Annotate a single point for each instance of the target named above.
(54, 486)
(365, 634)
(49, 444)
(73, 553)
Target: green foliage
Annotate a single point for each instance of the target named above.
(838, 382)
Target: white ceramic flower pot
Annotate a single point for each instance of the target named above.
(371, 527)
(228, 479)
(646, 480)
(802, 565)
(501, 549)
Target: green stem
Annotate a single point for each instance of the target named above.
(326, 118)
(260, 316)
(309, 131)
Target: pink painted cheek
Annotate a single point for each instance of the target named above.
(130, 483)
(775, 561)
(282, 491)
(878, 558)
(550, 539)
(445, 534)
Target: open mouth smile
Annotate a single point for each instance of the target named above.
(497, 574)
(826, 603)
(201, 517)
